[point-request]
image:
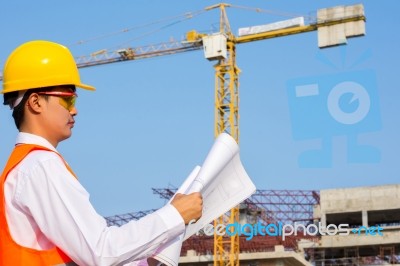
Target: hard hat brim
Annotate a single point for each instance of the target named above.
(79, 85)
(85, 86)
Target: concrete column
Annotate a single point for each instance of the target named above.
(323, 220)
(364, 218)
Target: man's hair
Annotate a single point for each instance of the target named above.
(19, 110)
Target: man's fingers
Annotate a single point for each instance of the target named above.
(189, 206)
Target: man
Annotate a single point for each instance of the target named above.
(45, 214)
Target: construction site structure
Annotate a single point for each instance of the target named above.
(372, 236)
(264, 206)
(334, 26)
(373, 216)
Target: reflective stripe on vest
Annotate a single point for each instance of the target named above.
(10, 252)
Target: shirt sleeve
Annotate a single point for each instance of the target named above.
(61, 208)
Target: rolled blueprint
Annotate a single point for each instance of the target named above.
(221, 153)
(223, 183)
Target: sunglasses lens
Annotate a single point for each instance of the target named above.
(68, 102)
(66, 99)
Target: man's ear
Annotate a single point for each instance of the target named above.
(35, 103)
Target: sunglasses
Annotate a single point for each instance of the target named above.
(67, 99)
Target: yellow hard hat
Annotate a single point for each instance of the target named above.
(37, 64)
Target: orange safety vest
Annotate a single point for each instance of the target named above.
(11, 253)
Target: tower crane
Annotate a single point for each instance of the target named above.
(334, 25)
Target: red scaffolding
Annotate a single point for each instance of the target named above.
(264, 206)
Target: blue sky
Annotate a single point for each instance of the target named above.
(151, 121)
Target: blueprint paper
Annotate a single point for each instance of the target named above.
(223, 183)
(221, 153)
(186, 184)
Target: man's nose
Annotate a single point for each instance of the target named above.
(73, 111)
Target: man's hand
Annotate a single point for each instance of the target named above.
(189, 206)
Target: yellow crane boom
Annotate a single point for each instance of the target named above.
(194, 42)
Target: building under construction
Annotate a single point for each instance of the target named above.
(350, 226)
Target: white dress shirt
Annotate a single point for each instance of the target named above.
(47, 206)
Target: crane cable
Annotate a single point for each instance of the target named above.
(174, 20)
(184, 17)
(187, 16)
(274, 12)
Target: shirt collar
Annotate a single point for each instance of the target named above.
(27, 138)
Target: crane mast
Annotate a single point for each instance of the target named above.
(226, 249)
